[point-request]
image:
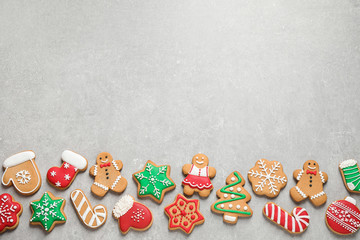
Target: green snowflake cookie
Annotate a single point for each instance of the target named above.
(154, 181)
(48, 211)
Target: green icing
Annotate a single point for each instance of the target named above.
(352, 177)
(47, 211)
(153, 180)
(241, 196)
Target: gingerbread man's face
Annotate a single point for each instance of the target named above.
(200, 160)
(103, 157)
(311, 165)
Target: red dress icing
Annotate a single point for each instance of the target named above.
(198, 179)
(343, 217)
(62, 176)
(138, 217)
(184, 213)
(9, 211)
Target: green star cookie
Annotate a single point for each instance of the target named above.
(154, 181)
(48, 211)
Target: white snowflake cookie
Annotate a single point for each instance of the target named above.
(267, 178)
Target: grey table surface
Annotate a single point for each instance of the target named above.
(164, 80)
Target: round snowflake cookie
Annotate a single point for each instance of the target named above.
(267, 178)
(10, 212)
(343, 216)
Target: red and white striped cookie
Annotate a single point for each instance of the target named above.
(294, 223)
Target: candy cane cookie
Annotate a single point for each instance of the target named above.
(294, 223)
(91, 217)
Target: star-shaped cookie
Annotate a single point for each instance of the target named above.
(154, 181)
(184, 214)
(48, 211)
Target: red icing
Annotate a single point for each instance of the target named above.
(9, 211)
(198, 182)
(59, 180)
(174, 210)
(301, 217)
(138, 217)
(343, 217)
(186, 207)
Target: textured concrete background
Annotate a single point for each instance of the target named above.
(163, 80)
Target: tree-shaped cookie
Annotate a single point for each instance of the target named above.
(267, 178)
(233, 199)
(154, 181)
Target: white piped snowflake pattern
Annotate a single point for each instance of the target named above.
(23, 177)
(271, 177)
(58, 184)
(67, 177)
(138, 215)
(66, 165)
(5, 210)
(53, 173)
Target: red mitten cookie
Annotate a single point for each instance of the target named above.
(10, 212)
(343, 217)
(62, 177)
(132, 215)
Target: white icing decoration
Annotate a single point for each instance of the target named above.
(317, 195)
(322, 177)
(238, 189)
(230, 205)
(300, 192)
(67, 177)
(115, 182)
(233, 179)
(115, 165)
(348, 163)
(101, 186)
(299, 175)
(350, 200)
(74, 159)
(238, 206)
(222, 206)
(232, 196)
(123, 206)
(53, 173)
(229, 218)
(18, 158)
(226, 195)
(66, 165)
(5, 209)
(58, 184)
(95, 170)
(245, 208)
(267, 176)
(231, 189)
(23, 176)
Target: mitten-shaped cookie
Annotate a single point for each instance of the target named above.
(22, 172)
(198, 176)
(107, 175)
(310, 184)
(132, 215)
(62, 177)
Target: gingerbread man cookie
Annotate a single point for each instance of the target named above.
(107, 175)
(310, 184)
(198, 176)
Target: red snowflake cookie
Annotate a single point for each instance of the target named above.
(184, 214)
(10, 211)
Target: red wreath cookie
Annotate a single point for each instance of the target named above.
(10, 212)
(184, 214)
(62, 177)
(132, 215)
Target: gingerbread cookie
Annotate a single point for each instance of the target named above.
(294, 223)
(198, 176)
(267, 178)
(62, 177)
(154, 181)
(48, 211)
(184, 214)
(132, 215)
(233, 199)
(10, 211)
(90, 217)
(310, 184)
(107, 175)
(343, 216)
(350, 173)
(22, 172)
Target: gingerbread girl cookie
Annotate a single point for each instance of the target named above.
(198, 176)
(107, 175)
(310, 184)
